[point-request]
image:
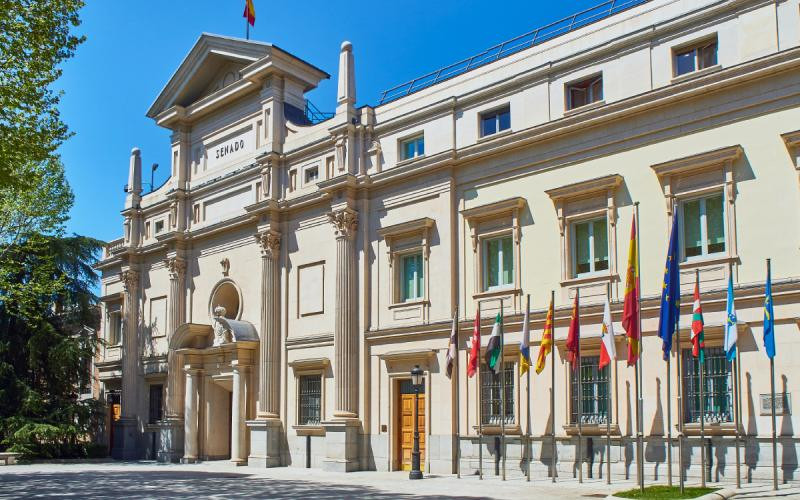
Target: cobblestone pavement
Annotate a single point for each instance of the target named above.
(222, 480)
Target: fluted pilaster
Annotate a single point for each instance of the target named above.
(270, 370)
(345, 338)
(130, 283)
(177, 310)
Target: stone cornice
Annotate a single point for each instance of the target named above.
(495, 209)
(693, 163)
(412, 354)
(584, 188)
(310, 364)
(412, 226)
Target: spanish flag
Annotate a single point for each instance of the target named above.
(250, 12)
(547, 340)
(630, 311)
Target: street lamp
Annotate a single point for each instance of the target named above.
(416, 381)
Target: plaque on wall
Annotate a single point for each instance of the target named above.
(783, 404)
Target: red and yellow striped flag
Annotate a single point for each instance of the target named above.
(630, 311)
(250, 12)
(547, 340)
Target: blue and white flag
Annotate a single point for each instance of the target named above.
(731, 334)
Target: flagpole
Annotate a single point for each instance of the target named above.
(736, 388)
(458, 400)
(528, 396)
(580, 391)
(669, 418)
(772, 390)
(679, 360)
(552, 382)
(676, 333)
(480, 405)
(638, 368)
(608, 400)
(502, 392)
(702, 368)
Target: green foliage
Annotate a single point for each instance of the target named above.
(666, 492)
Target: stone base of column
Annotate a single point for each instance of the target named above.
(170, 440)
(265, 443)
(342, 445)
(126, 442)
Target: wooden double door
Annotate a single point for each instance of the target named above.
(406, 415)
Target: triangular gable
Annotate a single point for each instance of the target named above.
(202, 69)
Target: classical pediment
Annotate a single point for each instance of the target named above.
(216, 65)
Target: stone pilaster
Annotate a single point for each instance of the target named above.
(270, 345)
(238, 414)
(130, 283)
(345, 337)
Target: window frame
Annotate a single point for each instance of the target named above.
(114, 326)
(689, 377)
(485, 287)
(300, 395)
(701, 197)
(495, 113)
(585, 84)
(695, 47)
(574, 247)
(306, 171)
(310, 367)
(599, 418)
(419, 281)
(417, 140)
(487, 378)
(155, 414)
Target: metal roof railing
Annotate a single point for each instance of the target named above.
(509, 47)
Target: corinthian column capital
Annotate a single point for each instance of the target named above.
(345, 222)
(270, 243)
(130, 279)
(176, 266)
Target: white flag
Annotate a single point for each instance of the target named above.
(608, 350)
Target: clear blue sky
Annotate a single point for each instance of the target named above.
(132, 49)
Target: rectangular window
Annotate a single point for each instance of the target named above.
(585, 92)
(159, 226)
(593, 393)
(310, 401)
(156, 402)
(491, 394)
(498, 262)
(114, 327)
(147, 229)
(495, 121)
(717, 381)
(411, 148)
(196, 213)
(311, 174)
(695, 58)
(589, 247)
(703, 226)
(413, 286)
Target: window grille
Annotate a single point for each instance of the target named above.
(594, 392)
(156, 403)
(490, 394)
(717, 387)
(310, 400)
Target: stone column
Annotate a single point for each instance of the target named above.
(190, 446)
(270, 373)
(238, 413)
(345, 335)
(125, 435)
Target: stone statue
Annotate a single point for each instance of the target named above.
(222, 335)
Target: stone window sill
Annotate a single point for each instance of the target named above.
(410, 303)
(497, 293)
(309, 430)
(494, 430)
(585, 107)
(693, 74)
(713, 260)
(489, 137)
(591, 429)
(595, 278)
(711, 429)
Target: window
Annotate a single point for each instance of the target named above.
(156, 400)
(310, 401)
(495, 121)
(585, 92)
(491, 395)
(717, 391)
(593, 394)
(498, 262)
(413, 286)
(196, 213)
(114, 327)
(411, 148)
(695, 58)
(159, 226)
(147, 229)
(703, 226)
(311, 174)
(589, 247)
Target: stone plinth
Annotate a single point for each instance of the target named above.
(171, 440)
(265, 443)
(125, 439)
(341, 445)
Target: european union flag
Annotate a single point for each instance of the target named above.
(670, 292)
(769, 317)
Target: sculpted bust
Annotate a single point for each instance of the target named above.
(222, 335)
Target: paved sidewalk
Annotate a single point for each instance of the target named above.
(222, 480)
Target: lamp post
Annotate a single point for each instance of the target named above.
(416, 381)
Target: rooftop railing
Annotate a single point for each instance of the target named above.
(509, 47)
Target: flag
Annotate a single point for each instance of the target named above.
(731, 335)
(608, 350)
(493, 349)
(670, 292)
(769, 318)
(630, 310)
(698, 336)
(474, 346)
(547, 340)
(574, 336)
(524, 345)
(250, 12)
(452, 346)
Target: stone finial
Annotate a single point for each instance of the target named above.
(346, 94)
(135, 175)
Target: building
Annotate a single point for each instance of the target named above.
(267, 303)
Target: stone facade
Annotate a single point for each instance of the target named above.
(339, 250)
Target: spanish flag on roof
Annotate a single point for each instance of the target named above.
(250, 12)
